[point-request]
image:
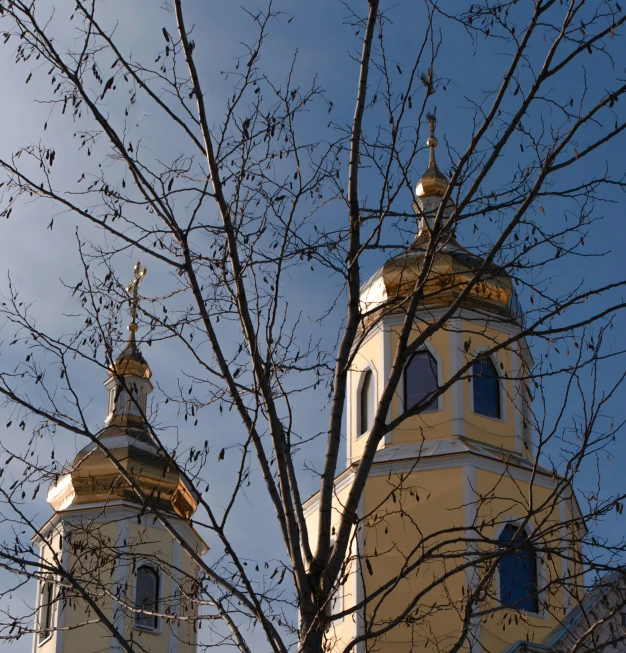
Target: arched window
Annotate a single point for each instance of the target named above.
(147, 597)
(367, 402)
(486, 388)
(420, 379)
(518, 572)
(46, 609)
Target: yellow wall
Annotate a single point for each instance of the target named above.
(401, 513)
(94, 558)
(497, 433)
(377, 353)
(505, 499)
(92, 571)
(402, 530)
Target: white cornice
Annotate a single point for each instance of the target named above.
(448, 453)
(115, 511)
(480, 319)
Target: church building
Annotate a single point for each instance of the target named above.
(456, 481)
(447, 486)
(129, 563)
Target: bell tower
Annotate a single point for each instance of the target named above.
(458, 477)
(115, 561)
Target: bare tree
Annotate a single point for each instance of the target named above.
(233, 217)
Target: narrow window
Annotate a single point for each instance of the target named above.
(366, 403)
(420, 380)
(518, 572)
(486, 389)
(147, 597)
(45, 614)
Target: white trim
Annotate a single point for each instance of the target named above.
(518, 405)
(64, 554)
(310, 506)
(369, 367)
(174, 584)
(148, 562)
(495, 361)
(386, 368)
(527, 433)
(412, 457)
(359, 595)
(470, 514)
(510, 520)
(565, 546)
(349, 418)
(120, 575)
(113, 511)
(49, 578)
(499, 467)
(479, 319)
(457, 412)
(57, 616)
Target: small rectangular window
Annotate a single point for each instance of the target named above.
(46, 610)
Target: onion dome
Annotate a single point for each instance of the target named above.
(430, 189)
(452, 266)
(130, 362)
(451, 270)
(433, 182)
(93, 477)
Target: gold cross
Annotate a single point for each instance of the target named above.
(133, 290)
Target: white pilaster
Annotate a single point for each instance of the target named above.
(457, 426)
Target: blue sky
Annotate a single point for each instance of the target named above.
(40, 260)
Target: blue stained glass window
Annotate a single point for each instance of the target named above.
(486, 388)
(420, 379)
(518, 573)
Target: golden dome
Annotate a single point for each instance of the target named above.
(93, 477)
(451, 270)
(130, 362)
(433, 181)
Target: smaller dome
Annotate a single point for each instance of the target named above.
(433, 181)
(94, 478)
(130, 362)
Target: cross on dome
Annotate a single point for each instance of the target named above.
(133, 290)
(130, 362)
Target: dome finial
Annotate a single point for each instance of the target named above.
(130, 362)
(133, 290)
(433, 181)
(431, 141)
